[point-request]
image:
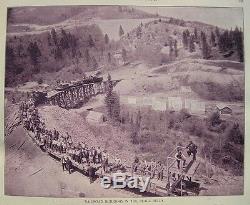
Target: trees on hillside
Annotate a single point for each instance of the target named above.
(233, 39)
(34, 52)
(238, 39)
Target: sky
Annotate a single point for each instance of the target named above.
(221, 17)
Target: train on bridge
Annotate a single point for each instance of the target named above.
(73, 94)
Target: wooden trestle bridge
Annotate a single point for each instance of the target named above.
(74, 95)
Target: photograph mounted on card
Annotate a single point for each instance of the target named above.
(124, 101)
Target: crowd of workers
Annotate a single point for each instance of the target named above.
(93, 157)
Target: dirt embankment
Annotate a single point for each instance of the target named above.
(30, 172)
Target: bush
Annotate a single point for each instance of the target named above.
(214, 119)
(235, 134)
(40, 81)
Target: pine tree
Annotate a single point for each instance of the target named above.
(10, 56)
(175, 48)
(94, 63)
(138, 119)
(64, 40)
(231, 39)
(188, 33)
(185, 39)
(224, 41)
(195, 34)
(170, 48)
(204, 46)
(108, 96)
(138, 32)
(109, 57)
(34, 52)
(212, 39)
(20, 50)
(191, 44)
(58, 53)
(54, 36)
(73, 44)
(87, 57)
(112, 101)
(49, 39)
(106, 39)
(91, 42)
(124, 55)
(217, 32)
(121, 31)
(238, 39)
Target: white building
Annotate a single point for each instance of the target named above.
(195, 106)
(95, 117)
(175, 103)
(159, 105)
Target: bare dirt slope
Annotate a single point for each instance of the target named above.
(71, 121)
(30, 172)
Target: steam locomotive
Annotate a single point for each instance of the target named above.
(90, 79)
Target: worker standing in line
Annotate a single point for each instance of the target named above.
(160, 169)
(99, 155)
(69, 165)
(192, 149)
(152, 168)
(64, 162)
(135, 165)
(105, 161)
(180, 157)
(91, 173)
(172, 181)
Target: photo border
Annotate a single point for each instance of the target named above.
(215, 200)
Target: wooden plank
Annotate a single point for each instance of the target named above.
(155, 186)
(193, 168)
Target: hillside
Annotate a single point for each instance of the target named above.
(82, 48)
(161, 41)
(84, 42)
(46, 15)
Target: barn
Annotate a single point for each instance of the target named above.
(224, 110)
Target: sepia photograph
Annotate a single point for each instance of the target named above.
(124, 101)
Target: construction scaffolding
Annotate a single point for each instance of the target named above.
(180, 178)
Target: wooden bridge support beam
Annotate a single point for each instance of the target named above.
(74, 95)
